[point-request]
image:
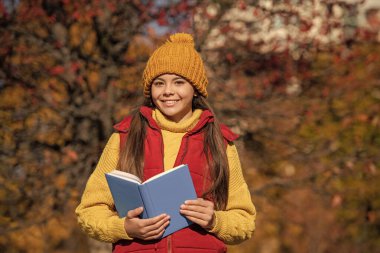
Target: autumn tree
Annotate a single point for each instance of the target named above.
(303, 83)
(68, 71)
(296, 79)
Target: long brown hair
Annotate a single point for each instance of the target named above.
(132, 152)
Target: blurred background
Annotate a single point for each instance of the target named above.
(298, 80)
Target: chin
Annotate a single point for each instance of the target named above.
(170, 114)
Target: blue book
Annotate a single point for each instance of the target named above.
(163, 193)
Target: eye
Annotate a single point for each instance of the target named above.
(158, 83)
(179, 81)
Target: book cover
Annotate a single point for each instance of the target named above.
(163, 193)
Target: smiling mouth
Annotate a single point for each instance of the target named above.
(169, 102)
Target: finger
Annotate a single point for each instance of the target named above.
(199, 209)
(155, 220)
(158, 231)
(148, 228)
(135, 212)
(153, 237)
(200, 222)
(197, 215)
(205, 221)
(199, 202)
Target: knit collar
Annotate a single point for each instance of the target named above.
(146, 112)
(205, 117)
(181, 127)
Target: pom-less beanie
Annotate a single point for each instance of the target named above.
(176, 56)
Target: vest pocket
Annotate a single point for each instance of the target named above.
(128, 246)
(196, 239)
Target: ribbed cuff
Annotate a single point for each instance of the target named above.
(217, 225)
(118, 229)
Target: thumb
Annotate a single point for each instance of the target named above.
(135, 212)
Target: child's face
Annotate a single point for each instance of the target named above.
(173, 96)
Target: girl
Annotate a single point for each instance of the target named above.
(174, 126)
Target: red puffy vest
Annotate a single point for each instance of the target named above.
(193, 239)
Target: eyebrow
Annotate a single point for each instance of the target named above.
(175, 78)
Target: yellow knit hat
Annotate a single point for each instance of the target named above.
(176, 56)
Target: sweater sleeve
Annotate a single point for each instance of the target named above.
(237, 222)
(96, 212)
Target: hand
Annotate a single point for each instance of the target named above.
(199, 211)
(145, 229)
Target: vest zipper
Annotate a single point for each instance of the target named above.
(162, 150)
(169, 245)
(185, 150)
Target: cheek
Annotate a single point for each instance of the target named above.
(155, 102)
(187, 93)
(154, 94)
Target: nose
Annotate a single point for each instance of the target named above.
(168, 89)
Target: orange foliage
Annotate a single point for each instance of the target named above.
(308, 121)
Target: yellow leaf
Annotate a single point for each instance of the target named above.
(93, 78)
(12, 97)
(32, 236)
(75, 35)
(89, 43)
(47, 123)
(61, 181)
(54, 91)
(57, 231)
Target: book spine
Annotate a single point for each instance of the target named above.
(148, 203)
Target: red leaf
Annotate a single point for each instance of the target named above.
(76, 15)
(74, 66)
(325, 92)
(182, 6)
(242, 5)
(52, 19)
(225, 29)
(256, 12)
(3, 11)
(305, 26)
(111, 7)
(71, 154)
(258, 94)
(162, 19)
(173, 11)
(362, 117)
(230, 57)
(57, 70)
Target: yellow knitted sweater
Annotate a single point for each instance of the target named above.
(96, 212)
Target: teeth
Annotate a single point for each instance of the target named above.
(170, 102)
